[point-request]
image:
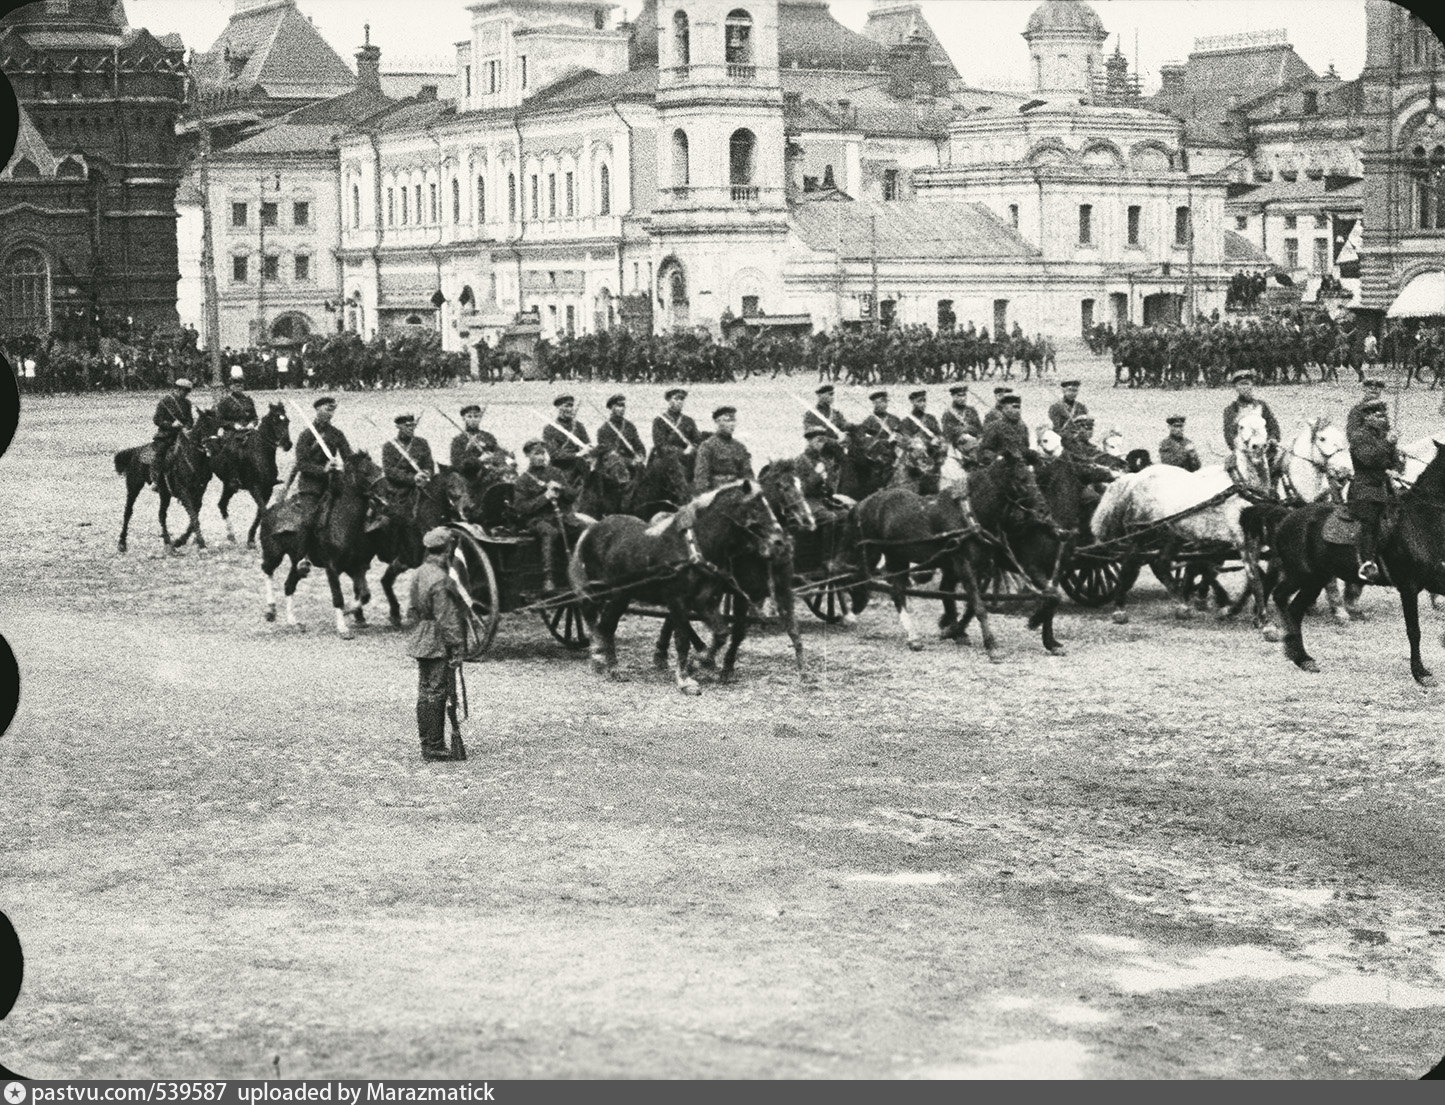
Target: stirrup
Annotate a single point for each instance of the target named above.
(1369, 572)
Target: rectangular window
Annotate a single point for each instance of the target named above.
(268, 214)
(493, 70)
(303, 268)
(552, 317)
(1291, 253)
(481, 200)
(636, 276)
(1312, 103)
(1086, 224)
(571, 202)
(391, 207)
(1182, 229)
(1322, 222)
(1134, 216)
(1013, 215)
(1291, 222)
(435, 214)
(511, 197)
(551, 195)
(405, 205)
(1241, 222)
(1086, 314)
(1322, 255)
(536, 190)
(890, 184)
(271, 268)
(522, 61)
(571, 320)
(650, 285)
(238, 214)
(467, 77)
(301, 214)
(240, 269)
(750, 306)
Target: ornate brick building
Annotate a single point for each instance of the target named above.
(87, 203)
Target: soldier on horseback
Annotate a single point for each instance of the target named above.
(826, 414)
(675, 432)
(174, 413)
(407, 464)
(1374, 455)
(313, 468)
(918, 423)
(620, 435)
(819, 477)
(543, 503)
(996, 411)
(1245, 401)
(1006, 434)
(722, 458)
(1063, 410)
(961, 424)
(1374, 389)
(474, 448)
(568, 446)
(236, 410)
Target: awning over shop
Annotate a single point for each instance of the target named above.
(1422, 297)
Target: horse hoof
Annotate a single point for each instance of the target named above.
(659, 661)
(689, 688)
(1425, 679)
(1272, 635)
(1183, 612)
(1058, 650)
(271, 614)
(121, 546)
(394, 620)
(1120, 617)
(850, 620)
(1308, 665)
(916, 646)
(230, 539)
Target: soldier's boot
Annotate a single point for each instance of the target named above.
(431, 725)
(552, 584)
(158, 460)
(1365, 549)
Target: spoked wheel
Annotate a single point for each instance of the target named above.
(1091, 583)
(1006, 584)
(472, 571)
(827, 602)
(566, 625)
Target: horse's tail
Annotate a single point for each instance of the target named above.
(577, 568)
(1112, 513)
(123, 460)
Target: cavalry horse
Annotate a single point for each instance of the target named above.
(622, 559)
(661, 487)
(1203, 506)
(187, 472)
(1411, 552)
(339, 544)
(247, 462)
(605, 486)
(910, 533)
(397, 543)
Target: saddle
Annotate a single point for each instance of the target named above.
(287, 517)
(1340, 528)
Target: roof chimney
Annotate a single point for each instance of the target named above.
(368, 65)
(1171, 78)
(907, 63)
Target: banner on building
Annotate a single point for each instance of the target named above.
(1348, 239)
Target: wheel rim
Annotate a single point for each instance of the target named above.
(475, 568)
(565, 623)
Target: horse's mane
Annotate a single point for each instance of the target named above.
(1432, 480)
(686, 516)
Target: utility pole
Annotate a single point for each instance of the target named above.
(875, 310)
(212, 319)
(261, 260)
(1189, 228)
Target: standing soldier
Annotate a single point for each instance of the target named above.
(676, 432)
(313, 471)
(961, 424)
(407, 464)
(722, 458)
(1374, 389)
(474, 448)
(620, 435)
(1178, 450)
(543, 502)
(1374, 455)
(438, 644)
(173, 414)
(1061, 411)
(562, 438)
(1245, 400)
(236, 409)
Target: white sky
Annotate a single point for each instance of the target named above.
(982, 36)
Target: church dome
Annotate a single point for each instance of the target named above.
(1069, 17)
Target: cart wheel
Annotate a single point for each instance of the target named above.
(472, 568)
(565, 623)
(1004, 585)
(826, 603)
(1092, 582)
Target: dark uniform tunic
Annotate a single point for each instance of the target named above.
(1180, 453)
(565, 454)
(721, 460)
(910, 428)
(401, 477)
(819, 477)
(311, 481)
(1061, 413)
(532, 505)
(624, 439)
(468, 449)
(955, 423)
(1004, 436)
(1239, 407)
(237, 410)
(172, 408)
(676, 434)
(1373, 457)
(837, 442)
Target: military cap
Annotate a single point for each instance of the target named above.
(826, 389)
(615, 400)
(723, 412)
(958, 389)
(1375, 382)
(184, 383)
(563, 400)
(1241, 376)
(324, 401)
(533, 445)
(815, 431)
(1370, 406)
(237, 373)
(1070, 384)
(877, 395)
(437, 538)
(1003, 391)
(914, 395)
(1011, 400)
(405, 419)
(1175, 420)
(675, 393)
(471, 408)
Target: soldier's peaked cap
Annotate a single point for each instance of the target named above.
(815, 431)
(437, 538)
(958, 389)
(533, 445)
(1175, 420)
(918, 395)
(405, 419)
(826, 389)
(471, 408)
(723, 412)
(184, 383)
(675, 393)
(1012, 400)
(877, 395)
(324, 401)
(563, 400)
(1003, 391)
(1370, 406)
(1375, 382)
(1071, 384)
(1241, 376)
(614, 400)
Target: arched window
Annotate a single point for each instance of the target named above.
(481, 200)
(604, 191)
(356, 205)
(456, 200)
(740, 159)
(25, 169)
(739, 42)
(681, 169)
(511, 197)
(72, 168)
(681, 46)
(26, 303)
(1429, 173)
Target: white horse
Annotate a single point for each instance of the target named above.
(1162, 491)
(1316, 467)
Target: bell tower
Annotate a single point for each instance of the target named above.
(721, 218)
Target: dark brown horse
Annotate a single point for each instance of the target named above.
(247, 462)
(622, 559)
(1411, 551)
(187, 472)
(445, 499)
